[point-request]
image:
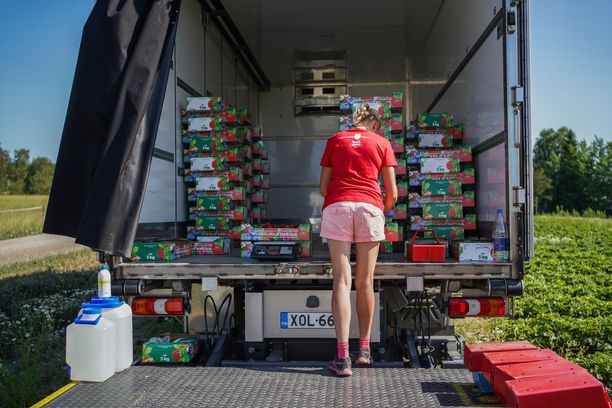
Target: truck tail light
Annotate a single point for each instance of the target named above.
(158, 306)
(461, 307)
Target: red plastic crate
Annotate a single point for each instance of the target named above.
(558, 391)
(472, 353)
(492, 360)
(426, 252)
(509, 372)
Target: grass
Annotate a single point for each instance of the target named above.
(567, 305)
(21, 223)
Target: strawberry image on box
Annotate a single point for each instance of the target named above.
(462, 154)
(230, 115)
(415, 178)
(402, 189)
(297, 233)
(400, 169)
(211, 246)
(400, 212)
(206, 144)
(435, 139)
(397, 144)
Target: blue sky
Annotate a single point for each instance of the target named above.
(571, 68)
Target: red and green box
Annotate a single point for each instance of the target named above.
(386, 247)
(300, 232)
(397, 144)
(234, 194)
(415, 178)
(439, 165)
(211, 246)
(434, 187)
(213, 183)
(232, 154)
(233, 174)
(235, 214)
(207, 164)
(256, 133)
(402, 189)
(214, 203)
(204, 104)
(160, 251)
(206, 124)
(468, 222)
(392, 232)
(231, 115)
(181, 348)
(462, 154)
(400, 169)
(416, 200)
(440, 138)
(244, 116)
(212, 223)
(400, 212)
(442, 210)
(207, 144)
(434, 120)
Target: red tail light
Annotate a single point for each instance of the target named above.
(158, 306)
(461, 307)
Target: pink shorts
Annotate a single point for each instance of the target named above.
(353, 222)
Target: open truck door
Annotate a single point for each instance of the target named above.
(111, 123)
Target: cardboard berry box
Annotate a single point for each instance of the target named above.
(213, 183)
(386, 247)
(434, 120)
(207, 164)
(212, 223)
(433, 187)
(231, 116)
(181, 348)
(232, 154)
(160, 251)
(214, 203)
(234, 194)
(234, 174)
(204, 104)
(211, 246)
(415, 178)
(300, 232)
(244, 116)
(206, 124)
(442, 210)
(439, 165)
(236, 214)
(402, 188)
(435, 139)
(392, 232)
(395, 102)
(462, 154)
(468, 222)
(416, 200)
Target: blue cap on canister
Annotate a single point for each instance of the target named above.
(500, 211)
(110, 302)
(104, 268)
(92, 310)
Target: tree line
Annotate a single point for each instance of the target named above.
(20, 175)
(570, 175)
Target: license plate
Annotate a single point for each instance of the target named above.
(306, 320)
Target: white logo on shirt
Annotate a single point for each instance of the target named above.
(356, 142)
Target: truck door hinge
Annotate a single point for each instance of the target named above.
(520, 197)
(518, 95)
(511, 19)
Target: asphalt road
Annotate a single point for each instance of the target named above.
(35, 247)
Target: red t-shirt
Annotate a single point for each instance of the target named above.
(356, 157)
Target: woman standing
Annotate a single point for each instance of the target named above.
(353, 211)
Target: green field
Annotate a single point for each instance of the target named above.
(15, 224)
(567, 306)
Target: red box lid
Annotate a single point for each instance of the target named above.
(492, 360)
(472, 353)
(509, 372)
(558, 390)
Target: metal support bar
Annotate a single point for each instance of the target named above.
(412, 351)
(217, 354)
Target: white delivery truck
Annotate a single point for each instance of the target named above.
(289, 62)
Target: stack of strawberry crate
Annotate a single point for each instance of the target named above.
(221, 168)
(441, 178)
(390, 110)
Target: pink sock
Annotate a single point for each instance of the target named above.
(343, 349)
(364, 343)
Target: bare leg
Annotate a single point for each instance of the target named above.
(367, 253)
(340, 252)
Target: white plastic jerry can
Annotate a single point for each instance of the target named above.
(91, 346)
(120, 313)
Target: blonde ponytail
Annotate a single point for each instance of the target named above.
(364, 114)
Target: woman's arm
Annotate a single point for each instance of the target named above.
(388, 174)
(325, 179)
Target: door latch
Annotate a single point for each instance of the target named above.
(511, 19)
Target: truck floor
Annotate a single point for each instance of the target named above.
(151, 386)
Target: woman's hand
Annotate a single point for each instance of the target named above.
(388, 175)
